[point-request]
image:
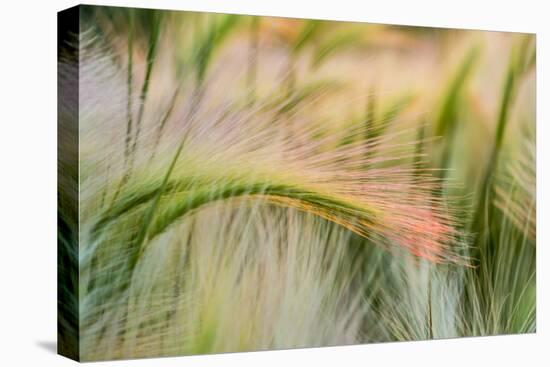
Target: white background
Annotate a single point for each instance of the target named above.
(28, 182)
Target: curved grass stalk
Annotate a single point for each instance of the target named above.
(182, 198)
(421, 229)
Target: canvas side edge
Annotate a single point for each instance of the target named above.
(67, 186)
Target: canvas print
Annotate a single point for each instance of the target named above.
(233, 183)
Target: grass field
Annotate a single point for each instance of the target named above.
(251, 183)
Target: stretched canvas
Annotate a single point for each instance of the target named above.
(235, 183)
